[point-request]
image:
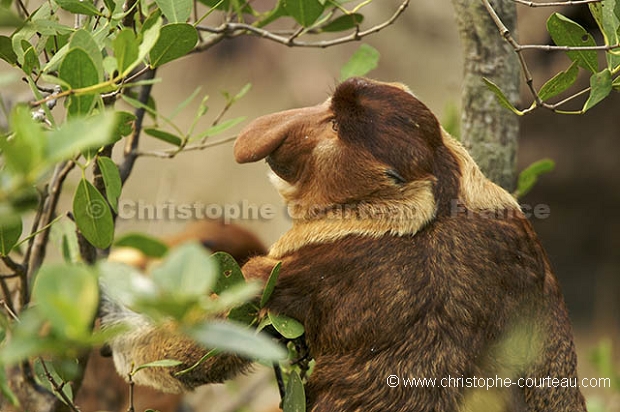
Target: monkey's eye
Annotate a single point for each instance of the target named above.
(334, 125)
(395, 176)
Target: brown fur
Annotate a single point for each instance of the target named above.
(403, 259)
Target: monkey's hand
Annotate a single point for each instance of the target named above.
(141, 341)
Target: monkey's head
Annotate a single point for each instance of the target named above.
(371, 142)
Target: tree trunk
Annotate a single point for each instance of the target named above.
(488, 130)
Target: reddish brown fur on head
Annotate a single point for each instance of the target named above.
(366, 141)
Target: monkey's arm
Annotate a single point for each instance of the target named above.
(145, 342)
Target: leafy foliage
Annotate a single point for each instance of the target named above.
(87, 56)
(581, 48)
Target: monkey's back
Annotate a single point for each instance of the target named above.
(459, 299)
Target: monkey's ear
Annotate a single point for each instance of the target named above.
(262, 137)
(349, 111)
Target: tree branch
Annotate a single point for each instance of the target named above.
(555, 3)
(169, 154)
(39, 245)
(229, 29)
(133, 140)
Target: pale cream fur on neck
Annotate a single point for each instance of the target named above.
(398, 217)
(477, 193)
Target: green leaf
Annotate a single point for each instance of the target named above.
(92, 215)
(503, 100)
(10, 231)
(148, 245)
(229, 337)
(221, 127)
(5, 388)
(124, 124)
(23, 153)
(606, 14)
(559, 83)
(83, 39)
(164, 136)
(175, 40)
(64, 237)
(600, 87)
(365, 59)
(287, 327)
(229, 272)
(31, 61)
(177, 11)
(78, 7)
(150, 35)
(187, 271)
(126, 51)
(162, 363)
(342, 23)
(68, 296)
(80, 134)
(271, 284)
(6, 50)
(529, 176)
(111, 180)
(78, 70)
(294, 396)
(566, 32)
(305, 12)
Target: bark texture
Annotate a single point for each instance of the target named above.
(488, 130)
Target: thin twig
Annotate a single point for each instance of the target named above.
(58, 387)
(555, 3)
(169, 154)
(548, 47)
(133, 140)
(505, 33)
(234, 29)
(518, 48)
(39, 245)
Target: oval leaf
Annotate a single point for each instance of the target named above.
(92, 215)
(78, 7)
(305, 12)
(68, 296)
(229, 337)
(6, 50)
(271, 284)
(175, 40)
(229, 273)
(162, 363)
(146, 244)
(164, 136)
(566, 32)
(342, 23)
(177, 11)
(187, 271)
(503, 100)
(125, 47)
(295, 396)
(529, 176)
(10, 231)
(111, 180)
(559, 83)
(287, 327)
(78, 70)
(600, 87)
(365, 59)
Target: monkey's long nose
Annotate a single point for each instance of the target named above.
(264, 135)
